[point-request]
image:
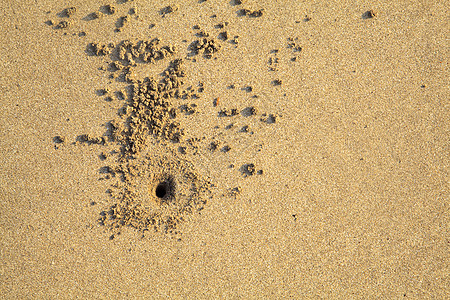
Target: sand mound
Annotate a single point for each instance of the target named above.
(157, 191)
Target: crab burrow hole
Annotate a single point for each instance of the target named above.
(165, 189)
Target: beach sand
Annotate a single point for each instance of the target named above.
(224, 149)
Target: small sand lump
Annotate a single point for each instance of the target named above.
(223, 36)
(95, 15)
(62, 25)
(68, 12)
(369, 14)
(205, 46)
(108, 9)
(99, 49)
(168, 9)
(248, 169)
(277, 82)
(253, 14)
(58, 139)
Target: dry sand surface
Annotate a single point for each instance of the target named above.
(224, 149)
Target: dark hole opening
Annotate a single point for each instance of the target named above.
(162, 189)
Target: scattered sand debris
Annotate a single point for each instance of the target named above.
(273, 63)
(108, 9)
(90, 140)
(68, 12)
(249, 13)
(149, 112)
(244, 128)
(205, 46)
(202, 33)
(233, 192)
(236, 2)
(116, 66)
(293, 45)
(120, 95)
(102, 92)
(155, 189)
(168, 9)
(201, 87)
(277, 82)
(107, 170)
(142, 51)
(103, 156)
(225, 148)
(269, 119)
(95, 15)
(248, 111)
(122, 21)
(214, 145)
(188, 109)
(223, 36)
(228, 112)
(63, 24)
(99, 49)
(221, 25)
(248, 169)
(128, 53)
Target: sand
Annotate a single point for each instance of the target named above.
(224, 149)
